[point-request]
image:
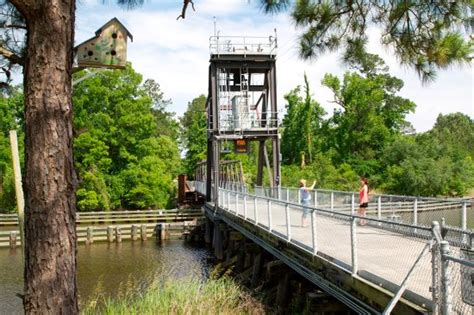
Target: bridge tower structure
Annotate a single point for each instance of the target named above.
(242, 104)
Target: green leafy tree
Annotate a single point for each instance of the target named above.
(123, 158)
(429, 164)
(302, 126)
(370, 114)
(456, 132)
(194, 133)
(11, 118)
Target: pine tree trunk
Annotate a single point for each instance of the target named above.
(50, 271)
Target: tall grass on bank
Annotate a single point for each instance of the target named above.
(182, 296)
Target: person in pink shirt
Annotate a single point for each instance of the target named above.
(363, 199)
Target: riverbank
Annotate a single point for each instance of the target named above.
(185, 296)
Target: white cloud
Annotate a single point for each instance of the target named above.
(175, 54)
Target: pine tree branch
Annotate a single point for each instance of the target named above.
(20, 26)
(11, 56)
(185, 7)
(24, 6)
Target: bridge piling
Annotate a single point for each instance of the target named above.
(217, 241)
(90, 235)
(208, 231)
(118, 234)
(13, 239)
(256, 270)
(134, 232)
(110, 234)
(143, 232)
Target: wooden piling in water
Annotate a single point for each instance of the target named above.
(110, 234)
(134, 232)
(208, 232)
(282, 291)
(90, 235)
(118, 234)
(12, 239)
(143, 232)
(158, 234)
(218, 242)
(256, 270)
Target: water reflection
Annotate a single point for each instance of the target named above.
(111, 269)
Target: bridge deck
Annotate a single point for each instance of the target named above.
(384, 257)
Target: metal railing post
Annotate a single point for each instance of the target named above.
(255, 209)
(379, 209)
(228, 200)
(287, 194)
(464, 223)
(352, 204)
(415, 212)
(446, 290)
(288, 223)
(299, 196)
(269, 209)
(314, 232)
(332, 201)
(315, 198)
(435, 258)
(464, 216)
(236, 204)
(355, 266)
(245, 207)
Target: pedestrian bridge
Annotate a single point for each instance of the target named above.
(399, 262)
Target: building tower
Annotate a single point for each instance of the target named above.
(242, 103)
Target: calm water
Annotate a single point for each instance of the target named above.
(110, 269)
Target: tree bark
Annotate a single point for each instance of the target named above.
(50, 180)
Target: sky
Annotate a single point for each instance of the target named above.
(175, 53)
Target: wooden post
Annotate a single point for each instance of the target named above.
(90, 235)
(110, 234)
(282, 291)
(143, 232)
(13, 239)
(20, 199)
(239, 266)
(164, 232)
(134, 232)
(158, 232)
(218, 243)
(181, 188)
(256, 271)
(118, 234)
(208, 232)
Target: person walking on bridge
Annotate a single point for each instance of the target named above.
(363, 199)
(305, 195)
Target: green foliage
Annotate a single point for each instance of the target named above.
(323, 171)
(426, 35)
(364, 137)
(438, 162)
(126, 152)
(194, 133)
(370, 116)
(11, 118)
(302, 126)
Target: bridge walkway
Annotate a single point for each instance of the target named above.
(381, 252)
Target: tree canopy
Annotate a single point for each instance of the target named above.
(126, 150)
(425, 35)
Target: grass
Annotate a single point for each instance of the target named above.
(183, 296)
